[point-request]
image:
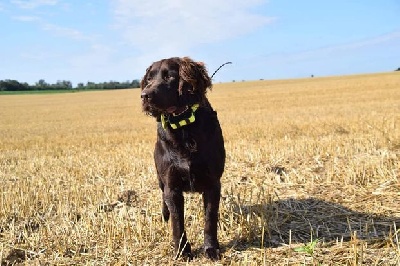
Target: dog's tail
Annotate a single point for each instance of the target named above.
(220, 68)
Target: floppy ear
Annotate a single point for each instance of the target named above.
(143, 82)
(194, 74)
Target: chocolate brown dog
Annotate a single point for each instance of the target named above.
(189, 153)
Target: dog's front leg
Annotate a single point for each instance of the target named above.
(173, 198)
(211, 199)
(164, 207)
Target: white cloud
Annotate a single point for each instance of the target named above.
(65, 32)
(98, 56)
(345, 58)
(30, 4)
(369, 42)
(54, 29)
(164, 27)
(26, 18)
(99, 63)
(336, 50)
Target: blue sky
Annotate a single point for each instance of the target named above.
(107, 40)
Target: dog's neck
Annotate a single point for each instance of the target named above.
(180, 117)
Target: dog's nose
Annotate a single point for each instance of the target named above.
(145, 95)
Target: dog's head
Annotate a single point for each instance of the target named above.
(171, 85)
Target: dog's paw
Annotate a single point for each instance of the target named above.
(187, 256)
(212, 253)
(185, 253)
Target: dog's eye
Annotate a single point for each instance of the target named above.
(168, 77)
(151, 75)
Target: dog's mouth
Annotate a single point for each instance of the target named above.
(150, 107)
(174, 110)
(154, 110)
(171, 110)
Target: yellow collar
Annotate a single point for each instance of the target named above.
(176, 121)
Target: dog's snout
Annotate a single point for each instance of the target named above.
(145, 95)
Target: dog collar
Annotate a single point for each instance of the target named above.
(176, 121)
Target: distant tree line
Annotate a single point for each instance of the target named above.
(14, 85)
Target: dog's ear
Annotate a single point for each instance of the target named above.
(194, 74)
(143, 82)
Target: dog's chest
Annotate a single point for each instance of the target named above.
(183, 162)
(180, 162)
(191, 171)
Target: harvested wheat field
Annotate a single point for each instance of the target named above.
(312, 176)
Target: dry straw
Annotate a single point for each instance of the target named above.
(312, 176)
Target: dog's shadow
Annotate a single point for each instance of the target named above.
(292, 221)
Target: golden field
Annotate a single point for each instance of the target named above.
(312, 176)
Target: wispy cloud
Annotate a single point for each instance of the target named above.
(392, 36)
(26, 18)
(97, 56)
(339, 57)
(30, 4)
(334, 50)
(171, 26)
(163, 28)
(38, 55)
(57, 30)
(65, 32)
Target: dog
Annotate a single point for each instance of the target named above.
(189, 152)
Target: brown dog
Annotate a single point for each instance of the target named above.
(189, 152)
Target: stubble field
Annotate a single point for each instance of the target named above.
(312, 176)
